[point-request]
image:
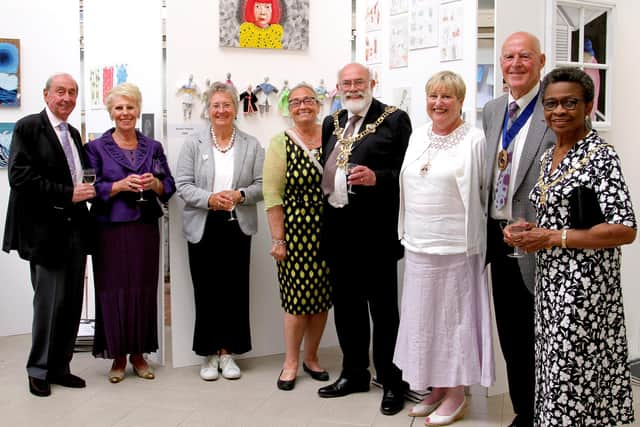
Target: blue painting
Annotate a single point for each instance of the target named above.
(9, 72)
(6, 132)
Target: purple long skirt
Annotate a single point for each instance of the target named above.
(125, 269)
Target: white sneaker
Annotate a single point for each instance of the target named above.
(209, 368)
(230, 370)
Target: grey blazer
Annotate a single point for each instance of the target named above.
(194, 181)
(539, 139)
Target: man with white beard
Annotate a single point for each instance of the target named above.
(363, 148)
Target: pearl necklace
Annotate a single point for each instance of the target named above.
(214, 140)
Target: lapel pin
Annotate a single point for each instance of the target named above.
(205, 157)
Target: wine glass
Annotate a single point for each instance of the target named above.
(349, 167)
(232, 215)
(516, 227)
(89, 176)
(141, 198)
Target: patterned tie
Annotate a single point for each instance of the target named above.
(329, 175)
(502, 185)
(68, 151)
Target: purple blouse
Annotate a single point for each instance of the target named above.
(111, 165)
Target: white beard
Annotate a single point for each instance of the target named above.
(357, 106)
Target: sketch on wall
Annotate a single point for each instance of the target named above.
(6, 133)
(373, 20)
(9, 72)
(401, 98)
(423, 24)
(399, 6)
(264, 24)
(399, 41)
(450, 28)
(372, 47)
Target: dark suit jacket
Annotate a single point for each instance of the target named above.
(370, 220)
(539, 139)
(40, 215)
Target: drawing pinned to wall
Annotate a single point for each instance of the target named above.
(399, 41)
(451, 22)
(373, 20)
(264, 24)
(402, 99)
(147, 125)
(107, 80)
(375, 72)
(9, 72)
(95, 87)
(399, 6)
(121, 74)
(373, 48)
(485, 84)
(6, 133)
(423, 24)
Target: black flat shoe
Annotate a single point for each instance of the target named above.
(343, 387)
(38, 387)
(316, 375)
(69, 380)
(286, 385)
(392, 402)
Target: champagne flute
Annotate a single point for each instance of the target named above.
(89, 176)
(349, 167)
(232, 215)
(516, 227)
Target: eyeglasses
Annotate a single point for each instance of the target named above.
(307, 100)
(359, 83)
(551, 104)
(227, 106)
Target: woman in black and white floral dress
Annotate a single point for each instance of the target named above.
(582, 375)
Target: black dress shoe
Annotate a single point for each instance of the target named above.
(392, 402)
(343, 387)
(316, 375)
(286, 385)
(39, 387)
(69, 380)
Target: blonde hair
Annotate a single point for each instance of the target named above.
(448, 80)
(125, 90)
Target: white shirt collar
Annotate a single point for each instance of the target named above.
(55, 121)
(524, 100)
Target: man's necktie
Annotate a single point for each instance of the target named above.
(502, 185)
(329, 175)
(68, 151)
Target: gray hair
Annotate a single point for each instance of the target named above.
(125, 90)
(307, 86)
(49, 81)
(220, 87)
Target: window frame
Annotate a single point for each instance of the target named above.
(609, 7)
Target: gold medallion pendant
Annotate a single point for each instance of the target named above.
(503, 159)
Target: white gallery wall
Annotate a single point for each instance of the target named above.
(192, 49)
(49, 43)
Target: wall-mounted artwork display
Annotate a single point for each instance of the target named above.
(102, 80)
(373, 20)
(399, 6)
(399, 41)
(423, 24)
(450, 28)
(372, 47)
(402, 99)
(6, 133)
(264, 24)
(147, 125)
(9, 72)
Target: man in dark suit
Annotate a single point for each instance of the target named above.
(516, 136)
(359, 234)
(48, 224)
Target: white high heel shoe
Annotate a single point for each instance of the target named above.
(422, 409)
(444, 420)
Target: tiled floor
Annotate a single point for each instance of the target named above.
(179, 398)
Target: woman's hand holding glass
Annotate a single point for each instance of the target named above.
(223, 201)
(514, 235)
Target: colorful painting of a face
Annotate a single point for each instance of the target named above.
(9, 72)
(6, 133)
(264, 24)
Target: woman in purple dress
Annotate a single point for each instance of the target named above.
(132, 180)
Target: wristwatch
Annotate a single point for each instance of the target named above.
(242, 197)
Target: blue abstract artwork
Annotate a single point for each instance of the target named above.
(6, 133)
(9, 72)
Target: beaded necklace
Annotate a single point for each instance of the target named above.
(214, 140)
(438, 143)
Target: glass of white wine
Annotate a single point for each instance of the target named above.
(349, 167)
(89, 176)
(516, 227)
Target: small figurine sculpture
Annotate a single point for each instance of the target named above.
(249, 99)
(189, 91)
(283, 100)
(203, 97)
(263, 91)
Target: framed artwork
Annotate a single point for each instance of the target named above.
(9, 72)
(373, 47)
(451, 22)
(399, 41)
(423, 24)
(373, 20)
(399, 6)
(264, 24)
(147, 126)
(6, 133)
(402, 98)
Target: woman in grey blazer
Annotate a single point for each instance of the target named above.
(219, 177)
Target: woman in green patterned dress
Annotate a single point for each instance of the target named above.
(293, 200)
